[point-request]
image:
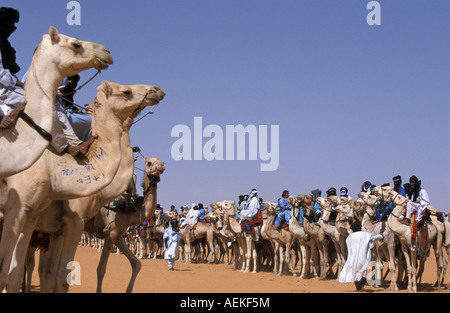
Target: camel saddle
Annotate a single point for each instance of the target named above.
(256, 220)
(421, 229)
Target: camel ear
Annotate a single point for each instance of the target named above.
(54, 35)
(106, 88)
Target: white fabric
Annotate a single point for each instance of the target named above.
(359, 245)
(251, 210)
(9, 99)
(191, 218)
(418, 208)
(173, 237)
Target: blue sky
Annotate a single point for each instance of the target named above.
(353, 102)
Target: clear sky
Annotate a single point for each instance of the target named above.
(353, 102)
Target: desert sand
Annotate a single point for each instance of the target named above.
(154, 277)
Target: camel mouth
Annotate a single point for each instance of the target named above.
(103, 64)
(155, 96)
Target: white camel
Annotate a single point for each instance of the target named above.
(369, 225)
(404, 232)
(56, 57)
(308, 246)
(317, 233)
(331, 230)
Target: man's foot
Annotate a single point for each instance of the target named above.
(11, 119)
(81, 149)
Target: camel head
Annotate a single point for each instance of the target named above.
(307, 202)
(333, 199)
(127, 101)
(324, 203)
(292, 201)
(154, 167)
(270, 207)
(228, 206)
(72, 55)
(358, 208)
(215, 207)
(387, 192)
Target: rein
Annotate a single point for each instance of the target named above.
(140, 108)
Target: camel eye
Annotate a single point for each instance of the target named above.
(76, 45)
(127, 92)
(149, 163)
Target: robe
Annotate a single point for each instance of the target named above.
(359, 245)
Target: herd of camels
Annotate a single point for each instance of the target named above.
(64, 196)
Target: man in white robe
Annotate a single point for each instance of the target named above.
(359, 245)
(191, 218)
(418, 203)
(252, 207)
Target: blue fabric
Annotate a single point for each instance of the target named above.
(201, 218)
(301, 215)
(81, 124)
(286, 215)
(383, 211)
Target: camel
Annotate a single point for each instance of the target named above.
(405, 236)
(332, 231)
(78, 211)
(389, 241)
(308, 246)
(56, 57)
(316, 232)
(245, 240)
(282, 240)
(202, 230)
(226, 210)
(154, 235)
(225, 235)
(344, 219)
(55, 177)
(112, 225)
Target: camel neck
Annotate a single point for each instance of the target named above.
(40, 89)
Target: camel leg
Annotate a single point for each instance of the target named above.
(304, 251)
(242, 249)
(101, 268)
(134, 262)
(276, 258)
(391, 254)
(282, 253)
(29, 268)
(447, 250)
(314, 258)
(14, 220)
(17, 264)
(289, 258)
(212, 250)
(71, 232)
(323, 261)
(410, 268)
(48, 264)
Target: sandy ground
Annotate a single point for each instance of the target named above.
(154, 277)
